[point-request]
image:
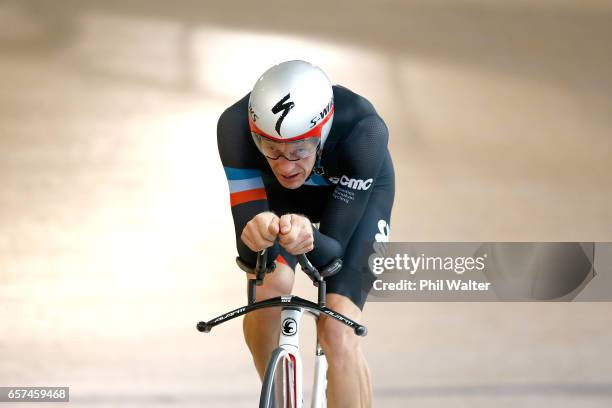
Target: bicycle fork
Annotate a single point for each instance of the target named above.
(292, 370)
(289, 340)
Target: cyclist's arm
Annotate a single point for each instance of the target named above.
(362, 156)
(247, 193)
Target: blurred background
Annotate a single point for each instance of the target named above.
(115, 230)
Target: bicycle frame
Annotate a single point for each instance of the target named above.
(319, 399)
(290, 323)
(292, 309)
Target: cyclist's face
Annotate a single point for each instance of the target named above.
(292, 174)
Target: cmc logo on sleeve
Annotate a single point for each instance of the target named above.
(355, 184)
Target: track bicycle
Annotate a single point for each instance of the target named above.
(282, 382)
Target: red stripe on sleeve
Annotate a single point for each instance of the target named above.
(281, 259)
(248, 195)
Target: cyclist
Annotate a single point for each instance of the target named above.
(296, 151)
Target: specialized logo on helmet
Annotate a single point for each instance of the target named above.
(324, 112)
(289, 326)
(355, 184)
(282, 106)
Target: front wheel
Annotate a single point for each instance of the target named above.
(278, 389)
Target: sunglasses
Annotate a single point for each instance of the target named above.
(291, 151)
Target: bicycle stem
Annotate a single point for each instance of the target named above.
(261, 269)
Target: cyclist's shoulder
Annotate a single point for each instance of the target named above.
(235, 116)
(233, 137)
(356, 123)
(350, 108)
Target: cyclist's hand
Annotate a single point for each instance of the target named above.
(261, 231)
(296, 234)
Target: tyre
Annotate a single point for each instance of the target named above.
(278, 387)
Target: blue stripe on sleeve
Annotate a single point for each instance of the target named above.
(233, 173)
(236, 186)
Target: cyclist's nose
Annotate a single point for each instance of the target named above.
(284, 164)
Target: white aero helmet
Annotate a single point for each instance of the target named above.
(292, 101)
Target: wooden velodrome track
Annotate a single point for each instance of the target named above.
(115, 231)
